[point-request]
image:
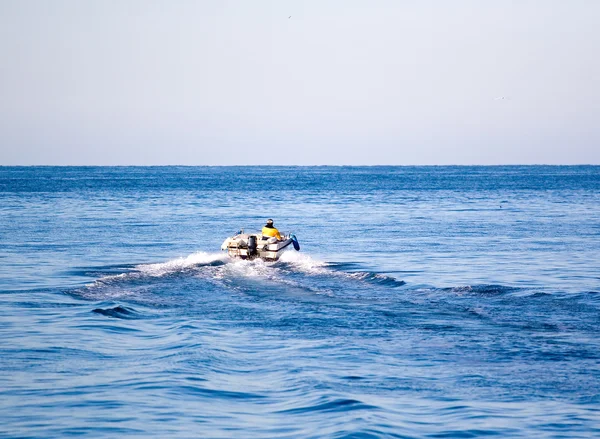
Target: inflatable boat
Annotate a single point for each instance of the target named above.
(255, 245)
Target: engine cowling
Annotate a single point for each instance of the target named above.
(252, 246)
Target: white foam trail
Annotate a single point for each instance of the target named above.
(178, 264)
(254, 268)
(305, 263)
(201, 264)
(258, 270)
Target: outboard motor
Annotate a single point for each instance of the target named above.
(252, 246)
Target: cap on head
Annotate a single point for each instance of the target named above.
(269, 221)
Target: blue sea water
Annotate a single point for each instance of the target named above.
(426, 302)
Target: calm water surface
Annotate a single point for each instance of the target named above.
(426, 302)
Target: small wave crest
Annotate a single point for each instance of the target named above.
(330, 405)
(481, 290)
(377, 278)
(119, 312)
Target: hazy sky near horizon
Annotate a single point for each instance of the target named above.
(390, 82)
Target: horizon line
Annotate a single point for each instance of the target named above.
(291, 166)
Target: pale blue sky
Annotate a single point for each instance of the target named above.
(340, 82)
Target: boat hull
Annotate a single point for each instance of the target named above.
(256, 246)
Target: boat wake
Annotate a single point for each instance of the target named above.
(195, 260)
(211, 285)
(202, 269)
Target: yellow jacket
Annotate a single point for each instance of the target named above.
(270, 232)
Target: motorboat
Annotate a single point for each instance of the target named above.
(256, 245)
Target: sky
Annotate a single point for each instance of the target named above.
(324, 82)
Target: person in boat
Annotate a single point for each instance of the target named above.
(270, 230)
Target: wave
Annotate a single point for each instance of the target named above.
(377, 278)
(290, 262)
(293, 271)
(119, 312)
(161, 269)
(308, 265)
(482, 289)
(303, 263)
(330, 405)
(180, 264)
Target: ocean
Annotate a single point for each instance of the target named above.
(426, 302)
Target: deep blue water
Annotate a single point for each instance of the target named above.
(427, 302)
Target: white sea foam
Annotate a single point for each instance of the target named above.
(178, 264)
(254, 268)
(163, 268)
(106, 279)
(272, 270)
(304, 263)
(202, 264)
